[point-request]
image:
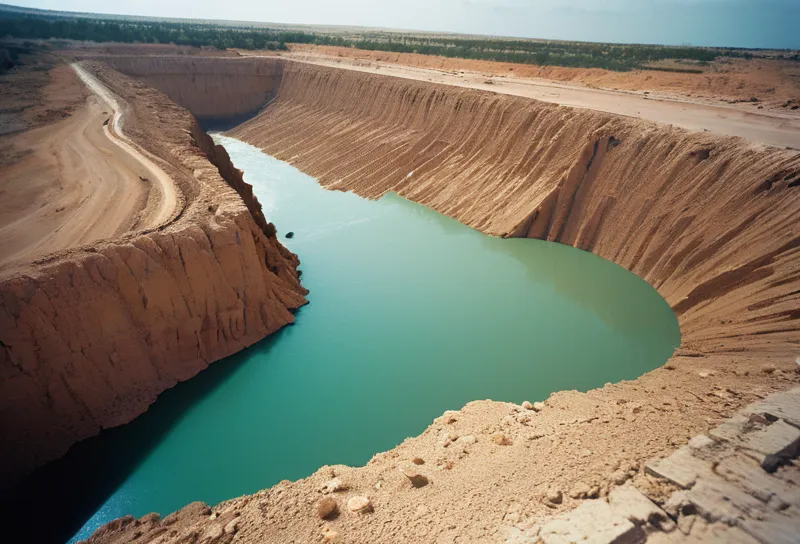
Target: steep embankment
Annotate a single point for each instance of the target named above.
(706, 220)
(210, 89)
(89, 338)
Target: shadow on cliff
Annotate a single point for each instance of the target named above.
(53, 503)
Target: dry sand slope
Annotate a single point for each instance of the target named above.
(82, 181)
(778, 128)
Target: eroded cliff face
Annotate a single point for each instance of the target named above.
(210, 89)
(706, 220)
(90, 337)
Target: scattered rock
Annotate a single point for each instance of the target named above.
(418, 461)
(769, 369)
(334, 486)
(361, 505)
(538, 406)
(527, 405)
(592, 521)
(447, 438)
(232, 527)
(466, 440)
(619, 477)
(580, 491)
(329, 535)
(554, 496)
(214, 532)
(290, 234)
(416, 478)
(327, 507)
(629, 502)
(500, 439)
(524, 419)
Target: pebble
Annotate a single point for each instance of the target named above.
(359, 504)
(527, 405)
(501, 439)
(326, 507)
(329, 535)
(232, 527)
(466, 440)
(768, 369)
(579, 491)
(418, 461)
(335, 485)
(619, 477)
(538, 406)
(555, 496)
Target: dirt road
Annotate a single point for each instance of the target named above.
(771, 128)
(77, 181)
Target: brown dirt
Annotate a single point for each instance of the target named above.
(74, 184)
(91, 335)
(709, 221)
(773, 81)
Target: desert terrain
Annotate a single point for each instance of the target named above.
(694, 195)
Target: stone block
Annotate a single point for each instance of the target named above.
(593, 522)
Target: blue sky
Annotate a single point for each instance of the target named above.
(741, 23)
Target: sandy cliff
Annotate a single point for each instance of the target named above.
(91, 336)
(210, 89)
(706, 220)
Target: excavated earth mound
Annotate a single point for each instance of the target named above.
(709, 221)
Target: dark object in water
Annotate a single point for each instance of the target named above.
(290, 234)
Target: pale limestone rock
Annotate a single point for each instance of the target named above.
(580, 491)
(630, 502)
(592, 522)
(500, 439)
(334, 486)
(554, 496)
(329, 535)
(538, 406)
(232, 527)
(466, 440)
(527, 405)
(360, 505)
(619, 477)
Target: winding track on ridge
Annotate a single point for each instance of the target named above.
(83, 181)
(168, 195)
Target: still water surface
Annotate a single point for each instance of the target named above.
(411, 314)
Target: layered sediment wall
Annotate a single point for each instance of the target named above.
(709, 221)
(90, 337)
(210, 89)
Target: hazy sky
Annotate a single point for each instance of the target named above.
(743, 23)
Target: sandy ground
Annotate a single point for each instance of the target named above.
(774, 82)
(76, 181)
(776, 128)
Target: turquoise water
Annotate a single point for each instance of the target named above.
(411, 314)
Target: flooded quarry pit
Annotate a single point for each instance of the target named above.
(411, 313)
(357, 255)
